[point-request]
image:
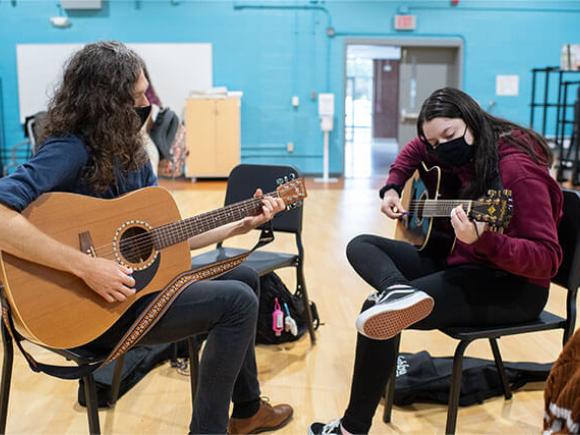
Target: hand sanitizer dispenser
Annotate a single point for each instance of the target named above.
(326, 113)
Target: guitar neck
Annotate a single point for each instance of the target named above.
(177, 232)
(438, 207)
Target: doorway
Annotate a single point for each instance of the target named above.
(386, 83)
(371, 102)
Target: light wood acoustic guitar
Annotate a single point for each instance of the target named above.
(424, 200)
(142, 230)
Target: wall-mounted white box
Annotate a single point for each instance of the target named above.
(507, 85)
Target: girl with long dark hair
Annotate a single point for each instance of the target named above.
(488, 278)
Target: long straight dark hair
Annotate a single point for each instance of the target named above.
(486, 129)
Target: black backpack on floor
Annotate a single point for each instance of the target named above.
(423, 378)
(272, 288)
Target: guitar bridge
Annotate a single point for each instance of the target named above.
(86, 244)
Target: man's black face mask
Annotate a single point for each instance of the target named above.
(143, 113)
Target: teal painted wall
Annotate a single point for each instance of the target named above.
(273, 50)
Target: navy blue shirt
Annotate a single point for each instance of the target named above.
(59, 166)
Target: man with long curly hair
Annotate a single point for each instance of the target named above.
(92, 146)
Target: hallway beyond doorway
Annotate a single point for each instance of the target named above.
(367, 157)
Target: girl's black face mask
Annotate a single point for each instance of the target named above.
(456, 152)
(143, 113)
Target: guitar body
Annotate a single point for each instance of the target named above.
(57, 309)
(431, 236)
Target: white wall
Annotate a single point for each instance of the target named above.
(175, 70)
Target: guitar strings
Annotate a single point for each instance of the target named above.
(442, 208)
(133, 243)
(224, 211)
(136, 246)
(139, 249)
(144, 240)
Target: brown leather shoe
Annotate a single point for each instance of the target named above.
(267, 418)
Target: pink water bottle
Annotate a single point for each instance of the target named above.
(277, 318)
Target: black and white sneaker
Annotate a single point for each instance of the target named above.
(332, 427)
(395, 309)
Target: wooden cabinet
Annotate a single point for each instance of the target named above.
(213, 136)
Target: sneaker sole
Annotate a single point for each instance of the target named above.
(381, 325)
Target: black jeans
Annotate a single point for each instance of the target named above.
(226, 309)
(466, 295)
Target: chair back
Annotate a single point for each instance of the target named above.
(568, 275)
(243, 181)
(33, 128)
(569, 235)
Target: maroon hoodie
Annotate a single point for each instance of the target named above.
(529, 246)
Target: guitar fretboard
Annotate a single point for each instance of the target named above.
(439, 207)
(177, 232)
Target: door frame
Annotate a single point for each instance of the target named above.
(451, 42)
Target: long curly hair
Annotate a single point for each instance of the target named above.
(487, 129)
(95, 102)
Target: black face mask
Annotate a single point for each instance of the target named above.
(143, 113)
(456, 152)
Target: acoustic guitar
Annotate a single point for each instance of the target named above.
(424, 200)
(142, 230)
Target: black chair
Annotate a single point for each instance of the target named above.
(568, 277)
(81, 359)
(242, 183)
(22, 151)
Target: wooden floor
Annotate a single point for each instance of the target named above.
(314, 380)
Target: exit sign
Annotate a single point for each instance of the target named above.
(405, 22)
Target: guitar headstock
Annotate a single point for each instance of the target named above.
(495, 209)
(291, 190)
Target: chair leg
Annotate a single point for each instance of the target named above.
(507, 392)
(116, 382)
(6, 376)
(193, 348)
(306, 300)
(390, 388)
(455, 387)
(92, 404)
(173, 361)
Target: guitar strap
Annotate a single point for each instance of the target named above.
(147, 319)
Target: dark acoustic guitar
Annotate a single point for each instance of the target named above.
(424, 200)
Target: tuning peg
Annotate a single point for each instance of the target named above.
(292, 176)
(279, 181)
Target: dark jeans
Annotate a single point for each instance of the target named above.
(466, 295)
(226, 309)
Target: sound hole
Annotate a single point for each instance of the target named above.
(420, 208)
(136, 245)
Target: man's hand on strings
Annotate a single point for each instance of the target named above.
(110, 280)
